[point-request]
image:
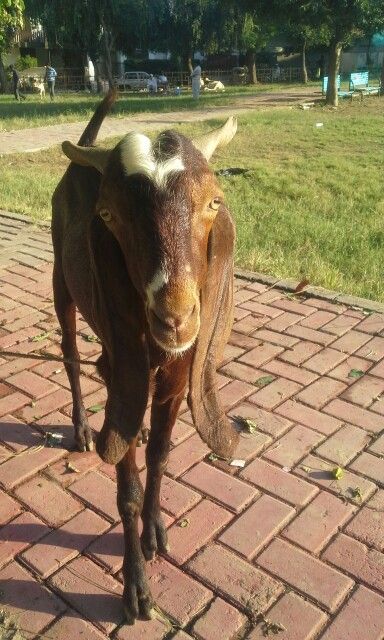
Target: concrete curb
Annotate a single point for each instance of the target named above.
(288, 285)
(311, 291)
(23, 218)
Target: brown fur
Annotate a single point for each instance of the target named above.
(104, 269)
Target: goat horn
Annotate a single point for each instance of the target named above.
(86, 156)
(208, 144)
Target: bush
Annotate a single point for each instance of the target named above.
(25, 62)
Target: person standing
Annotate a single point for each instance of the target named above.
(196, 81)
(50, 77)
(16, 84)
(152, 84)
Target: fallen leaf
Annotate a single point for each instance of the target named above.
(337, 473)
(95, 408)
(357, 494)
(302, 284)
(306, 469)
(53, 439)
(183, 523)
(90, 338)
(71, 467)
(41, 336)
(264, 380)
(246, 424)
(237, 463)
(355, 373)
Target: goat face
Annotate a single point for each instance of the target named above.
(160, 202)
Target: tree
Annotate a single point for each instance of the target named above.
(247, 25)
(181, 27)
(254, 36)
(11, 19)
(341, 21)
(335, 23)
(95, 27)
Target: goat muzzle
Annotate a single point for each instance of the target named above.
(174, 332)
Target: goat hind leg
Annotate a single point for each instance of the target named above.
(66, 314)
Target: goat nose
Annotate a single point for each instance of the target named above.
(173, 321)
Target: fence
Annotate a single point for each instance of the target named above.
(74, 79)
(227, 76)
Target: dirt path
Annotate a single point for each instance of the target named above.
(38, 138)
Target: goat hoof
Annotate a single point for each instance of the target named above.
(128, 617)
(154, 538)
(83, 437)
(138, 602)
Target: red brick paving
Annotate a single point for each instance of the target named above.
(299, 619)
(282, 536)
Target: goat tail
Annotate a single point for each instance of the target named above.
(89, 135)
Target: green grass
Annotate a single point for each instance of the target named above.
(311, 204)
(73, 107)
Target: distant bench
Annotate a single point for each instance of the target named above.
(359, 83)
(341, 94)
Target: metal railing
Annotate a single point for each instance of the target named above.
(75, 80)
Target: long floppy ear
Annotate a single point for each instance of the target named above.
(122, 334)
(216, 319)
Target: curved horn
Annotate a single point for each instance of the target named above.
(220, 137)
(86, 156)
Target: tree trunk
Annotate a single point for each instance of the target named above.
(189, 63)
(251, 63)
(98, 77)
(108, 46)
(3, 77)
(335, 48)
(304, 72)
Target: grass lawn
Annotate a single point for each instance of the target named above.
(311, 204)
(72, 107)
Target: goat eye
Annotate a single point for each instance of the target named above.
(215, 204)
(105, 215)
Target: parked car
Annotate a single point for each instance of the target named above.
(133, 80)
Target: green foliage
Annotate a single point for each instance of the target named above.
(11, 18)
(25, 62)
(326, 20)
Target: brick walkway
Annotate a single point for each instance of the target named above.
(282, 536)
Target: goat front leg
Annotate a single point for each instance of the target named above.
(66, 314)
(137, 597)
(170, 387)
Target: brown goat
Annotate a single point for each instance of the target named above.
(144, 248)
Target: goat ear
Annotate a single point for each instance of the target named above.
(216, 317)
(86, 156)
(220, 137)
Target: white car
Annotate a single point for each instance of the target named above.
(133, 80)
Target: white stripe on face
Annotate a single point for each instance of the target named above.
(160, 279)
(137, 157)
